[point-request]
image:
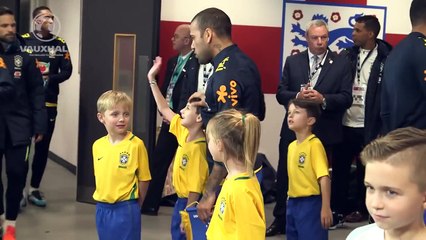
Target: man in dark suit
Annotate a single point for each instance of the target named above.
(180, 82)
(317, 74)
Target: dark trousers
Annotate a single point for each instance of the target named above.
(42, 149)
(159, 163)
(16, 168)
(345, 153)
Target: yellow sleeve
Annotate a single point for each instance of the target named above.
(143, 170)
(176, 127)
(197, 169)
(319, 159)
(249, 215)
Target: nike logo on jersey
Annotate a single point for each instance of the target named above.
(100, 158)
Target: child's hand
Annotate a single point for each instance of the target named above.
(182, 228)
(326, 217)
(154, 69)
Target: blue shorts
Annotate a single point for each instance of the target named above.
(176, 219)
(119, 221)
(304, 219)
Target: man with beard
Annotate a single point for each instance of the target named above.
(235, 83)
(25, 119)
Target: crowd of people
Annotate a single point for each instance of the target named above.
(365, 106)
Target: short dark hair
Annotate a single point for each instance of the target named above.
(6, 11)
(215, 19)
(418, 12)
(312, 108)
(37, 10)
(371, 23)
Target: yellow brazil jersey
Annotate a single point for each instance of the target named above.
(307, 162)
(119, 168)
(239, 211)
(190, 168)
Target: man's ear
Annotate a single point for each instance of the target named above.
(371, 35)
(100, 117)
(188, 41)
(208, 35)
(311, 121)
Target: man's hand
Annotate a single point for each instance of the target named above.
(154, 69)
(205, 207)
(314, 95)
(201, 96)
(38, 137)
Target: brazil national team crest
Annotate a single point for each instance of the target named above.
(222, 208)
(18, 61)
(339, 18)
(184, 161)
(302, 159)
(124, 159)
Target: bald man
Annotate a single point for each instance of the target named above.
(180, 82)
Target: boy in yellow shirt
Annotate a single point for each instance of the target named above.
(120, 163)
(190, 169)
(308, 207)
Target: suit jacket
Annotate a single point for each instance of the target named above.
(334, 83)
(185, 85)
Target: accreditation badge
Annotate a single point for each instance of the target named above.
(358, 93)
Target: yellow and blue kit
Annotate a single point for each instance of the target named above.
(119, 168)
(235, 83)
(307, 162)
(239, 211)
(190, 170)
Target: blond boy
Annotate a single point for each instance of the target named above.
(122, 175)
(396, 186)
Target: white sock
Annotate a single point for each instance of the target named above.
(2, 217)
(33, 189)
(9, 223)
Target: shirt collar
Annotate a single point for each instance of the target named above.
(224, 53)
(185, 56)
(310, 55)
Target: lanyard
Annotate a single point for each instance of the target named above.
(318, 67)
(206, 74)
(359, 66)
